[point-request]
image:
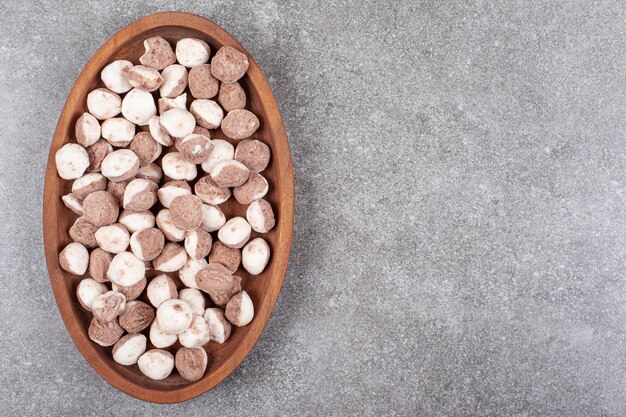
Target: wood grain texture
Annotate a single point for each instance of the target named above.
(57, 219)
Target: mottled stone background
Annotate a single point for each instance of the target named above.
(460, 238)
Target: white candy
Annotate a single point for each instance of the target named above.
(177, 168)
(135, 221)
(240, 310)
(104, 104)
(138, 106)
(156, 364)
(71, 161)
(210, 193)
(87, 184)
(222, 173)
(212, 218)
(166, 103)
(178, 122)
(108, 306)
(159, 339)
(87, 291)
(192, 52)
(144, 78)
(235, 232)
(259, 221)
(158, 132)
(253, 190)
(118, 131)
(74, 258)
(171, 232)
(137, 247)
(147, 244)
(139, 195)
(174, 81)
(255, 255)
(129, 348)
(120, 164)
(194, 298)
(169, 192)
(72, 203)
(126, 269)
(114, 238)
(198, 243)
(87, 130)
(222, 151)
(173, 316)
(171, 259)
(151, 172)
(191, 244)
(160, 289)
(218, 325)
(208, 113)
(195, 148)
(187, 273)
(196, 335)
(113, 76)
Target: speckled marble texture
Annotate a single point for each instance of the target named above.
(460, 230)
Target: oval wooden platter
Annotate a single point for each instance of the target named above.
(57, 219)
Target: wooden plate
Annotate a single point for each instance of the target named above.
(57, 219)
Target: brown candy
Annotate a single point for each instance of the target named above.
(131, 292)
(87, 184)
(100, 208)
(254, 189)
(146, 148)
(229, 65)
(97, 152)
(147, 244)
(136, 316)
(99, 261)
(202, 83)
(140, 194)
(199, 130)
(116, 189)
(105, 333)
(230, 258)
(215, 280)
(198, 243)
(231, 96)
(171, 259)
(254, 154)
(186, 212)
(159, 53)
(194, 148)
(191, 363)
(230, 173)
(84, 232)
(239, 124)
(209, 192)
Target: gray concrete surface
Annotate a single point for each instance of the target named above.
(461, 232)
